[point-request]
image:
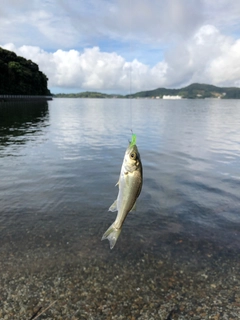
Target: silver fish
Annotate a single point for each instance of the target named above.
(130, 185)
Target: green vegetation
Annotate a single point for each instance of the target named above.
(87, 94)
(193, 91)
(19, 76)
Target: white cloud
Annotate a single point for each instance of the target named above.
(226, 69)
(36, 22)
(93, 69)
(224, 14)
(207, 57)
(123, 45)
(67, 24)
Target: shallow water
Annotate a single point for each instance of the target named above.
(60, 160)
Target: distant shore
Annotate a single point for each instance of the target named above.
(193, 91)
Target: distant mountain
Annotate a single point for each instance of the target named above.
(87, 94)
(19, 76)
(193, 91)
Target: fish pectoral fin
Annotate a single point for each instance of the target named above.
(134, 208)
(113, 207)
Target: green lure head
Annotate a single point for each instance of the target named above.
(134, 140)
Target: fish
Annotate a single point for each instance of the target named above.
(130, 186)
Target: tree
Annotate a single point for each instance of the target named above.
(20, 76)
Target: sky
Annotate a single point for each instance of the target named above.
(125, 46)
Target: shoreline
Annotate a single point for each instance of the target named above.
(6, 98)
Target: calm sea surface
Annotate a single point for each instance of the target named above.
(59, 163)
(60, 160)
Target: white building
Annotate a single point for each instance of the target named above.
(172, 97)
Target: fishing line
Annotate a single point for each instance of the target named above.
(130, 65)
(130, 98)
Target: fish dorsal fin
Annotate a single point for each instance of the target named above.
(113, 207)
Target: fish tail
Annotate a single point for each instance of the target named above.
(112, 235)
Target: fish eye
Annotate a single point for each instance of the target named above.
(133, 155)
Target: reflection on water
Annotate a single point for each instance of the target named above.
(19, 123)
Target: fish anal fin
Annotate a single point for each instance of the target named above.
(113, 207)
(134, 208)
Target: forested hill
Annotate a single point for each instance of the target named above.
(193, 91)
(87, 94)
(19, 76)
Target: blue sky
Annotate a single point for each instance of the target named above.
(99, 45)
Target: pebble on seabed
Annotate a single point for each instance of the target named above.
(120, 285)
